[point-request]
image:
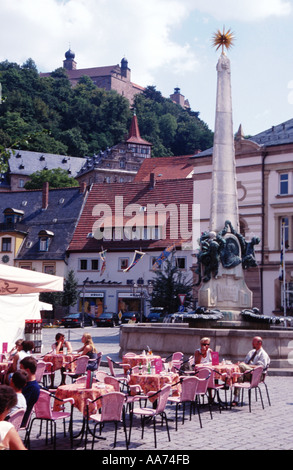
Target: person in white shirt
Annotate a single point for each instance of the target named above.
(17, 382)
(9, 437)
(257, 356)
(254, 358)
(203, 355)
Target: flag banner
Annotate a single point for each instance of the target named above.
(103, 258)
(163, 256)
(137, 256)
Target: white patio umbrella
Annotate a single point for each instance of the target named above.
(23, 281)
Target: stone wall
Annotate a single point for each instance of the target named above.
(231, 344)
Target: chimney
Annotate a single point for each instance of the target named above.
(45, 200)
(82, 187)
(152, 181)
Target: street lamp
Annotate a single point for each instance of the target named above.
(144, 291)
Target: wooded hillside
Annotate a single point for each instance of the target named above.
(46, 114)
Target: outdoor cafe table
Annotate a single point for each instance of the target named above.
(62, 360)
(232, 371)
(138, 359)
(81, 393)
(154, 382)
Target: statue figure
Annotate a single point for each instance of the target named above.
(216, 248)
(208, 257)
(249, 260)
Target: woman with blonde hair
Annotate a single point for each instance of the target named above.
(203, 354)
(88, 349)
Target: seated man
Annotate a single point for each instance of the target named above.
(255, 357)
(31, 390)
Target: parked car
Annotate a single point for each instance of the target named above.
(74, 320)
(127, 316)
(107, 319)
(156, 315)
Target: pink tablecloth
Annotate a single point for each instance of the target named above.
(138, 359)
(80, 393)
(154, 382)
(60, 360)
(230, 369)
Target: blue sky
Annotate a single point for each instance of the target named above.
(167, 44)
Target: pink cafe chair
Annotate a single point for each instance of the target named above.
(44, 412)
(41, 367)
(48, 372)
(202, 389)
(137, 369)
(112, 411)
(256, 376)
(111, 364)
(24, 427)
(189, 386)
(16, 418)
(215, 386)
(263, 382)
(83, 379)
(132, 390)
(100, 375)
(150, 414)
(112, 381)
(81, 367)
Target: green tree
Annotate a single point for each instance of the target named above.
(57, 178)
(168, 284)
(67, 298)
(70, 293)
(171, 129)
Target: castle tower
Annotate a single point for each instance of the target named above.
(69, 62)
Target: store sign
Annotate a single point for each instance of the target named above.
(92, 294)
(128, 295)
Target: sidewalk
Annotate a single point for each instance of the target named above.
(235, 429)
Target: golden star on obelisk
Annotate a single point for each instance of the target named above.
(223, 39)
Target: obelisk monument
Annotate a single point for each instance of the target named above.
(223, 247)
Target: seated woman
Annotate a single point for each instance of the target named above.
(203, 354)
(58, 346)
(15, 349)
(23, 350)
(88, 349)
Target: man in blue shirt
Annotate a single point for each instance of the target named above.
(31, 390)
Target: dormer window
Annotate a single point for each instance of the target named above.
(45, 237)
(12, 216)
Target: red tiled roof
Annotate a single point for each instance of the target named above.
(103, 198)
(165, 168)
